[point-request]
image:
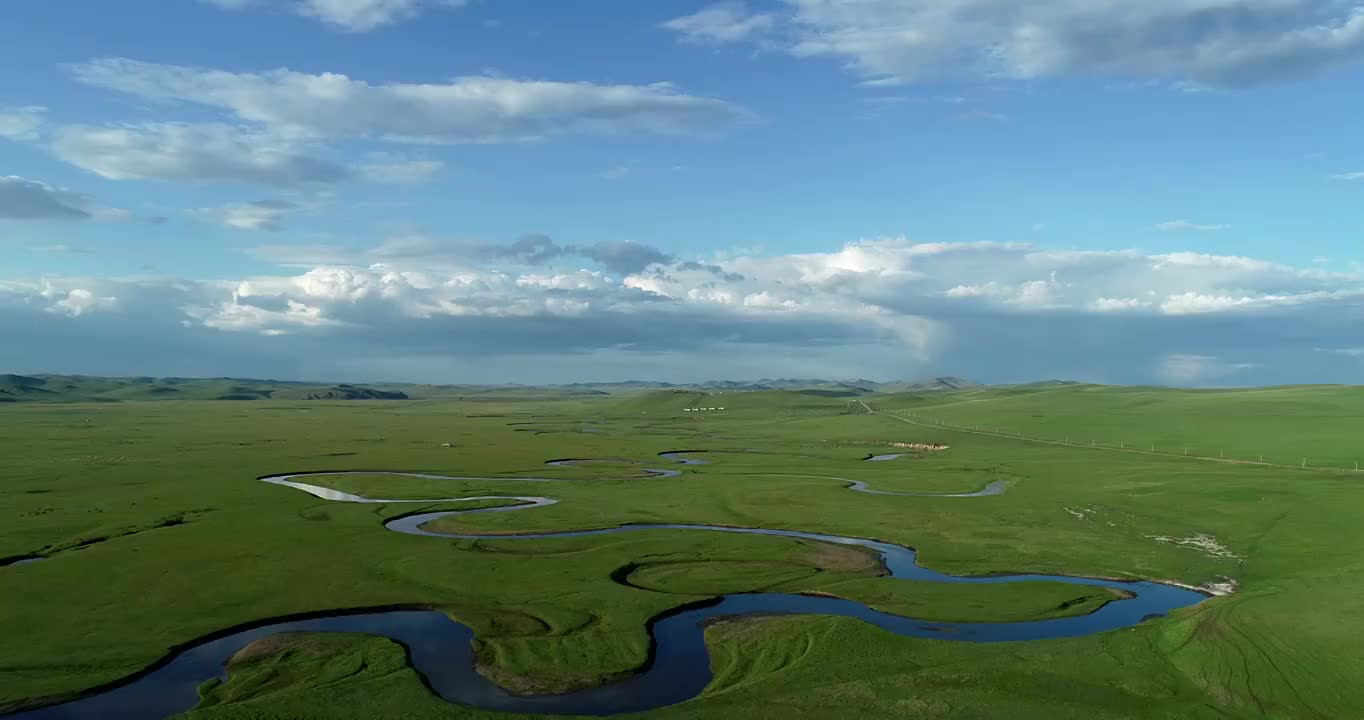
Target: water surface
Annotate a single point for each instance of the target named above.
(679, 665)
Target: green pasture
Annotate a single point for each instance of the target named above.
(156, 532)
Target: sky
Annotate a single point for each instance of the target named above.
(488, 191)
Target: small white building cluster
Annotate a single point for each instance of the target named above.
(699, 409)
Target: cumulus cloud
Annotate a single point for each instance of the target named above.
(240, 315)
(350, 15)
(21, 124)
(1107, 304)
(181, 152)
(55, 297)
(255, 215)
(1191, 43)
(466, 109)
(889, 307)
(79, 301)
(23, 199)
(1180, 225)
(722, 23)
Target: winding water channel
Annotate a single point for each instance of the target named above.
(679, 666)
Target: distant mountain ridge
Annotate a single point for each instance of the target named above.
(351, 392)
(86, 388)
(857, 385)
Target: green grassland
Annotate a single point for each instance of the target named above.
(1282, 425)
(156, 533)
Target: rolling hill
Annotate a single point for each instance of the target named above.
(86, 388)
(81, 388)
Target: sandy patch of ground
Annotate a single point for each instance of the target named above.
(1204, 543)
(1225, 586)
(931, 447)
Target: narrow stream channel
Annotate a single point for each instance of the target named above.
(679, 665)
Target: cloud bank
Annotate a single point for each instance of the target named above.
(536, 310)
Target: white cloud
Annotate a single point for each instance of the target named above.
(1038, 294)
(466, 109)
(365, 15)
(1192, 44)
(233, 316)
(619, 172)
(1193, 302)
(21, 124)
(23, 199)
(394, 169)
(255, 215)
(1206, 260)
(350, 15)
(79, 301)
(972, 291)
(1349, 176)
(883, 307)
(1181, 225)
(725, 22)
(182, 152)
(1106, 304)
(1028, 295)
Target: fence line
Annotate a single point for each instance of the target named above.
(938, 423)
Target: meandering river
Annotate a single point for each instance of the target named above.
(679, 666)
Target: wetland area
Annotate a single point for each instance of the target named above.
(613, 576)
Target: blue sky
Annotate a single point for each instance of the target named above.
(509, 190)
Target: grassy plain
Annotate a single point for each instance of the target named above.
(1282, 425)
(157, 533)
